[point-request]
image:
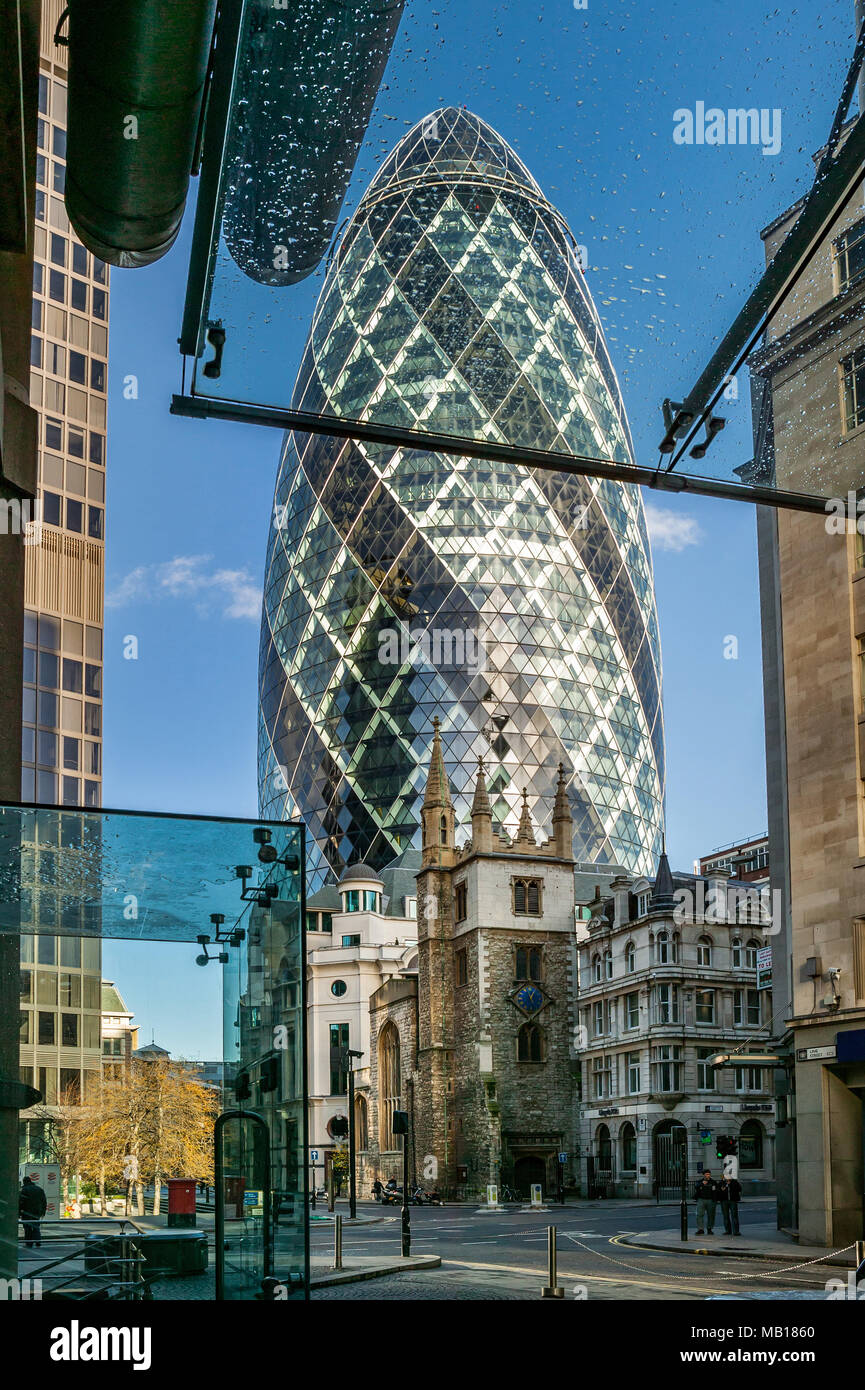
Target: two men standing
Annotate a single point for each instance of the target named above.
(708, 1194)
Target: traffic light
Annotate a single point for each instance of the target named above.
(726, 1145)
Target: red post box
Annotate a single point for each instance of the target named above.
(181, 1201)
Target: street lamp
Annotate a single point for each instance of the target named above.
(350, 1054)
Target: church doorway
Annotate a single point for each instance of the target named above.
(531, 1168)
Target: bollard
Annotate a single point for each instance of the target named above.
(553, 1289)
(337, 1241)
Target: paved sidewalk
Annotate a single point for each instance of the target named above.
(356, 1267)
(760, 1240)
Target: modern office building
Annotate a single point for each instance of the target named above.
(515, 604)
(809, 395)
(64, 588)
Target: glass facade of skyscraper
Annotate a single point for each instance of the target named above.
(516, 605)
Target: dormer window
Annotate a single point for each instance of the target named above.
(642, 904)
(526, 893)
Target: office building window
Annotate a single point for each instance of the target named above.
(632, 1063)
(746, 1007)
(632, 1009)
(705, 1006)
(630, 958)
(849, 256)
(749, 1078)
(853, 372)
(705, 1073)
(666, 1067)
(666, 1004)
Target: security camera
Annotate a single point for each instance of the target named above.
(203, 940)
(202, 960)
(834, 972)
(267, 854)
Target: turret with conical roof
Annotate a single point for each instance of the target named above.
(662, 899)
(563, 821)
(482, 813)
(437, 812)
(525, 832)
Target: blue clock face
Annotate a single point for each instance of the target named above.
(529, 997)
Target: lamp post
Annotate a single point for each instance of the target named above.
(350, 1054)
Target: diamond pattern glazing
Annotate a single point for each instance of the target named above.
(456, 302)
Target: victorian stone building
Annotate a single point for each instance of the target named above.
(668, 980)
(480, 1048)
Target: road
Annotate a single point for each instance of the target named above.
(505, 1256)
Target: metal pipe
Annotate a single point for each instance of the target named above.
(137, 71)
(337, 1241)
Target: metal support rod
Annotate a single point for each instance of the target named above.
(683, 1210)
(553, 1289)
(204, 408)
(337, 1241)
(352, 1145)
(406, 1215)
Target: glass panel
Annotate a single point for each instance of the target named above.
(263, 1049)
(518, 269)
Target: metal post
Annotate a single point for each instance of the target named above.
(312, 1199)
(683, 1209)
(554, 1288)
(352, 1145)
(406, 1216)
(337, 1241)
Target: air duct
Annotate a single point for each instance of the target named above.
(137, 71)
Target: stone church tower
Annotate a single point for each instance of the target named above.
(495, 1081)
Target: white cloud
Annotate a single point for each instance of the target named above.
(671, 530)
(191, 576)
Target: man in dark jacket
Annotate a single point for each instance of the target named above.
(32, 1205)
(730, 1195)
(705, 1195)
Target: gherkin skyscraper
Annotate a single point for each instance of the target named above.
(515, 604)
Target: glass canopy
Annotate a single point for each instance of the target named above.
(132, 874)
(485, 234)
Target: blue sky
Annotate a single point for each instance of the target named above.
(587, 98)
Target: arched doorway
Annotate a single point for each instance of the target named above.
(528, 1169)
(670, 1159)
(628, 1142)
(751, 1145)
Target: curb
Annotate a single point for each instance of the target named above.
(352, 1276)
(728, 1251)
